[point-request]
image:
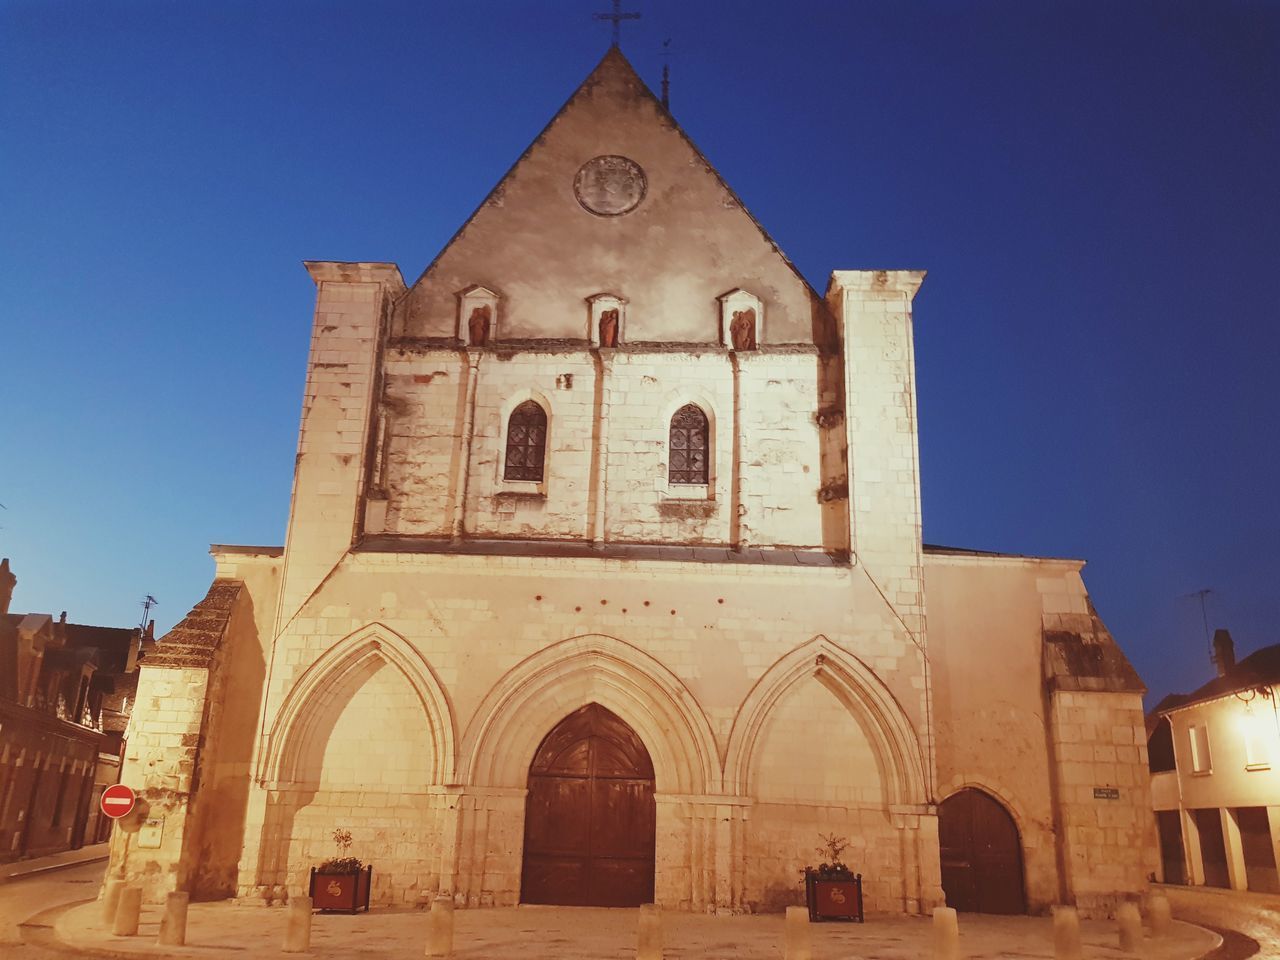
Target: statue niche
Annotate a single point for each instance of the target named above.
(742, 330)
(609, 328)
(478, 325)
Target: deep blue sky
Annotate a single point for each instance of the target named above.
(1091, 186)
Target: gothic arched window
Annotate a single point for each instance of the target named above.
(526, 442)
(689, 446)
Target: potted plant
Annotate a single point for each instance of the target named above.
(341, 882)
(832, 890)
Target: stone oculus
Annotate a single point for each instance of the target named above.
(604, 583)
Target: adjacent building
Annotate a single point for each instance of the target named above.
(1215, 775)
(604, 583)
(66, 690)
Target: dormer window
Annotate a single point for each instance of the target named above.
(605, 316)
(477, 322)
(741, 320)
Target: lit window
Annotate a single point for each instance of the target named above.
(1257, 745)
(1200, 760)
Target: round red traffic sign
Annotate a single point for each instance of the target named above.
(118, 801)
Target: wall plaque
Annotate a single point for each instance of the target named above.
(610, 186)
(1106, 793)
(151, 833)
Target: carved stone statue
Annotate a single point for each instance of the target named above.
(742, 329)
(478, 325)
(609, 328)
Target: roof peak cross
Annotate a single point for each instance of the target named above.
(617, 17)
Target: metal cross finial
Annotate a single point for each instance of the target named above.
(617, 17)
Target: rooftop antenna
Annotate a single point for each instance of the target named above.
(1204, 616)
(617, 17)
(147, 604)
(666, 73)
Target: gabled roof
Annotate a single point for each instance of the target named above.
(533, 238)
(1259, 669)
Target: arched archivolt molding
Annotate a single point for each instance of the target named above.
(301, 712)
(537, 693)
(995, 791)
(892, 737)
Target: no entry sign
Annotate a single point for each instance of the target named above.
(118, 801)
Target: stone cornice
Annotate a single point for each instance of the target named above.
(876, 282)
(336, 271)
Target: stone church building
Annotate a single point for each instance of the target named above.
(604, 584)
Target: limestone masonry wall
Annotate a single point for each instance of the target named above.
(609, 415)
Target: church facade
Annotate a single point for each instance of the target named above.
(604, 583)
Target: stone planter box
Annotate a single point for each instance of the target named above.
(347, 892)
(833, 896)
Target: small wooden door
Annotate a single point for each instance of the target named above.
(981, 855)
(589, 828)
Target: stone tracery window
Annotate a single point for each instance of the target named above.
(689, 446)
(526, 442)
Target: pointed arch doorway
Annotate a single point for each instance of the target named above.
(981, 854)
(589, 823)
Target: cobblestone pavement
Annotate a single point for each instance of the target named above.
(1249, 922)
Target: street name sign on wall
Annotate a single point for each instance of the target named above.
(118, 801)
(1106, 793)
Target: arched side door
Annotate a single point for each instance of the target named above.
(589, 837)
(981, 855)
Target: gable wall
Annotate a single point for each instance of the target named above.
(688, 241)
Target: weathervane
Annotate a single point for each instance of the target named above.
(617, 17)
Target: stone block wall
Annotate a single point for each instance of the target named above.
(496, 638)
(160, 765)
(1108, 843)
(606, 472)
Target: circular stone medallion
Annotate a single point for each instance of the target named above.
(610, 186)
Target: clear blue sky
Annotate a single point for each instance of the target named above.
(1093, 188)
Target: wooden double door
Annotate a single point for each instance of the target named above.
(589, 826)
(981, 855)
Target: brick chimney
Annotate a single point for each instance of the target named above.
(1224, 652)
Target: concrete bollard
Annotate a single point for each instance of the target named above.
(1066, 934)
(110, 900)
(173, 925)
(440, 927)
(796, 942)
(1159, 916)
(128, 911)
(649, 935)
(297, 931)
(946, 934)
(1129, 925)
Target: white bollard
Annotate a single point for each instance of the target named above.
(128, 911)
(440, 927)
(796, 942)
(173, 925)
(297, 930)
(649, 935)
(110, 900)
(1159, 916)
(1129, 925)
(1066, 934)
(946, 934)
